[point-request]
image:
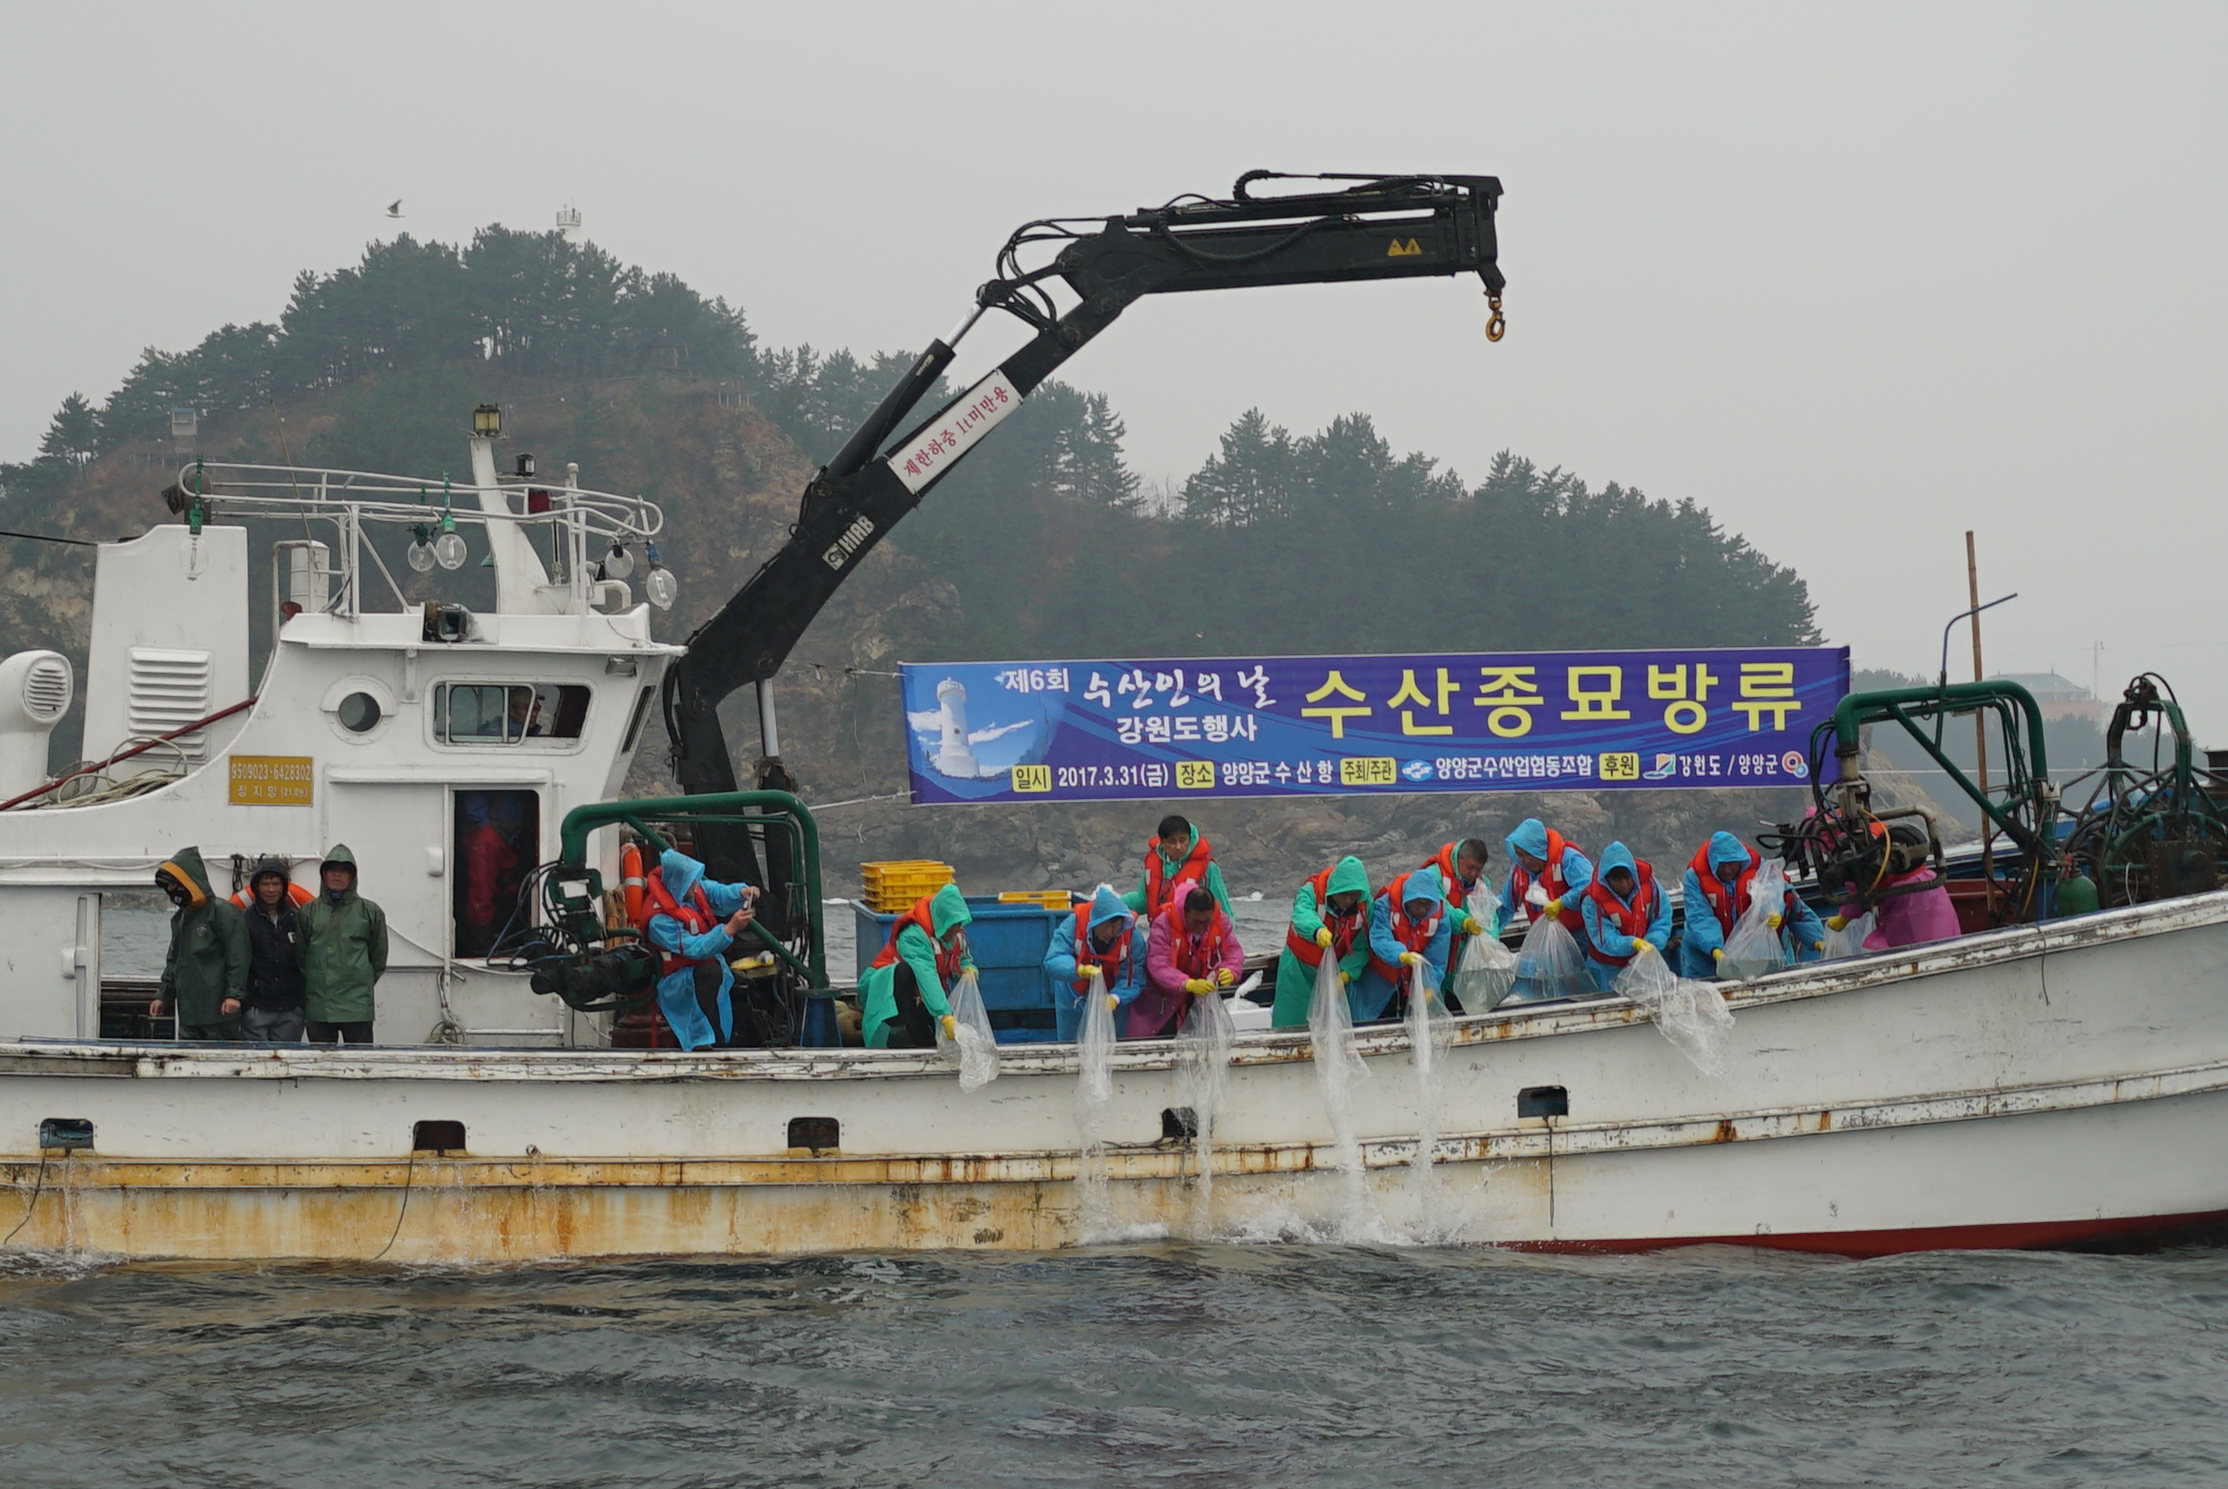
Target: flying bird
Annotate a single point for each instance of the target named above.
(394, 208)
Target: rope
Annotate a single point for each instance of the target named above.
(409, 1175)
(37, 1186)
(48, 538)
(829, 806)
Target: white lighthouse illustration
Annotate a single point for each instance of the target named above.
(954, 756)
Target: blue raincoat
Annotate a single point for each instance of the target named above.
(1611, 941)
(677, 990)
(1531, 837)
(1370, 995)
(1059, 960)
(1701, 934)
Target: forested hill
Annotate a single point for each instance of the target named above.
(1042, 545)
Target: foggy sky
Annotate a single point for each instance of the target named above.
(1854, 278)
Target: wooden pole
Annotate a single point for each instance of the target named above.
(1980, 736)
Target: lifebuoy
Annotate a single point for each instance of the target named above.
(631, 883)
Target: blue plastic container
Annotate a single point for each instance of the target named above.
(1008, 942)
(820, 1030)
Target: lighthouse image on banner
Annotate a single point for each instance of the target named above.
(963, 754)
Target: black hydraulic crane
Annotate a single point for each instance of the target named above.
(1377, 227)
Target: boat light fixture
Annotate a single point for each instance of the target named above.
(660, 585)
(525, 463)
(619, 563)
(421, 549)
(487, 422)
(448, 549)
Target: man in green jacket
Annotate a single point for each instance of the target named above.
(906, 993)
(1175, 853)
(205, 976)
(343, 947)
(1330, 917)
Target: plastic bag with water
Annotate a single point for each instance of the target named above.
(1484, 975)
(1755, 948)
(975, 1047)
(1330, 1023)
(1688, 1013)
(1849, 940)
(1550, 965)
(1095, 1044)
(1430, 1026)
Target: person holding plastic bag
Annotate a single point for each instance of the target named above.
(1100, 949)
(1408, 937)
(1626, 915)
(1720, 877)
(1461, 870)
(1546, 876)
(906, 993)
(1329, 913)
(1913, 919)
(1192, 952)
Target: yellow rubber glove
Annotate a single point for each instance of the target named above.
(1199, 987)
(1411, 959)
(1323, 938)
(951, 1027)
(1113, 1004)
(1552, 909)
(1836, 923)
(1643, 948)
(1774, 920)
(1344, 977)
(1091, 969)
(1224, 977)
(1819, 947)
(1717, 953)
(1471, 927)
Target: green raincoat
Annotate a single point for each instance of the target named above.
(343, 947)
(878, 985)
(1169, 868)
(208, 960)
(1295, 979)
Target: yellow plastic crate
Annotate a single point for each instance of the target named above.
(1050, 899)
(891, 887)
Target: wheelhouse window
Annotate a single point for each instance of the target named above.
(490, 713)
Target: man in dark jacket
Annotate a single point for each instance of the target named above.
(342, 938)
(274, 1006)
(205, 974)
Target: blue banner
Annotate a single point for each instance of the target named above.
(1319, 726)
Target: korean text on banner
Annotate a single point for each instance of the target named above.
(1301, 726)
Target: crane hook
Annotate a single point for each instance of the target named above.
(1498, 326)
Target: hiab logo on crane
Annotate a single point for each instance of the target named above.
(839, 552)
(1400, 250)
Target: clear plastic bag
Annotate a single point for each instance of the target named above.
(1095, 1044)
(1757, 948)
(1330, 1024)
(1688, 1013)
(1849, 940)
(975, 1047)
(1430, 1025)
(1484, 975)
(1202, 1057)
(1550, 965)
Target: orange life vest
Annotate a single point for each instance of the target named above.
(1342, 927)
(1551, 879)
(299, 894)
(1458, 894)
(947, 957)
(1115, 963)
(1159, 884)
(1196, 958)
(1725, 904)
(1415, 935)
(1632, 920)
(694, 916)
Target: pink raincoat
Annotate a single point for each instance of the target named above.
(1159, 1011)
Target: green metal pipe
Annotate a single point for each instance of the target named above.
(1859, 709)
(779, 809)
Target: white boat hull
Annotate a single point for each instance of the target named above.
(2028, 1086)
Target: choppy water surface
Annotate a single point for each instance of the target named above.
(1174, 1365)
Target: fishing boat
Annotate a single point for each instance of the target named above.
(2052, 1077)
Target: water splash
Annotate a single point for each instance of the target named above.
(1202, 1065)
(1430, 1038)
(1338, 1065)
(1094, 1091)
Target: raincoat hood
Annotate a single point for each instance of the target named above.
(270, 866)
(949, 909)
(1348, 875)
(1724, 849)
(1530, 837)
(1423, 884)
(186, 867)
(338, 857)
(680, 872)
(1106, 905)
(1618, 856)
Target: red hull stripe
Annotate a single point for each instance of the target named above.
(2010, 1237)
